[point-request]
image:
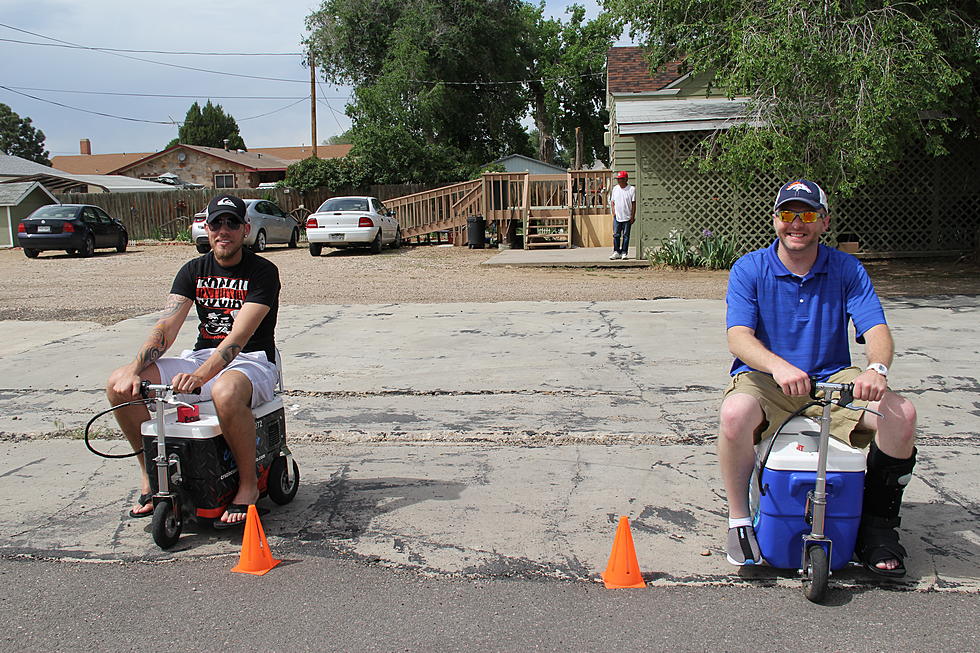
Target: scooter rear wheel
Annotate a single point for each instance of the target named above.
(816, 574)
(166, 525)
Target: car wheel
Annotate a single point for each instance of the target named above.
(294, 239)
(315, 249)
(398, 239)
(260, 242)
(123, 241)
(30, 252)
(87, 248)
(203, 249)
(376, 243)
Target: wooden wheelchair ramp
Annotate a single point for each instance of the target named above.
(543, 207)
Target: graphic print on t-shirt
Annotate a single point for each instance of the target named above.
(222, 297)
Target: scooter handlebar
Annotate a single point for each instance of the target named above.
(146, 388)
(817, 385)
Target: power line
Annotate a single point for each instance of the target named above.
(202, 54)
(97, 113)
(117, 53)
(333, 112)
(158, 63)
(269, 113)
(154, 122)
(165, 95)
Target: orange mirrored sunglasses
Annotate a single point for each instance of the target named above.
(805, 216)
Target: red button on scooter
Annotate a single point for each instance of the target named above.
(188, 414)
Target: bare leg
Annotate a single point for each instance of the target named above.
(741, 414)
(129, 419)
(232, 394)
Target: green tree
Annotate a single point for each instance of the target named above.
(209, 127)
(567, 82)
(434, 92)
(18, 137)
(838, 90)
(335, 174)
(339, 139)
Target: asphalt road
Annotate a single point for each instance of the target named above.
(312, 603)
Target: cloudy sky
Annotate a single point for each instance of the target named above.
(64, 81)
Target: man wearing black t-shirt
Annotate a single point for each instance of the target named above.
(236, 294)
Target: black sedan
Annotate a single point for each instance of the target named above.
(76, 228)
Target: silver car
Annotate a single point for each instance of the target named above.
(270, 226)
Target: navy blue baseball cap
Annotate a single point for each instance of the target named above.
(227, 205)
(801, 190)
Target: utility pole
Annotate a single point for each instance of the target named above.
(313, 102)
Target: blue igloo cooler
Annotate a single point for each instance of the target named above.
(788, 475)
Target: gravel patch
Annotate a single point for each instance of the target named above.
(110, 287)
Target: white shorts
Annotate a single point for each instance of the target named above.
(254, 364)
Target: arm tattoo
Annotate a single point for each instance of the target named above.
(174, 302)
(153, 349)
(228, 352)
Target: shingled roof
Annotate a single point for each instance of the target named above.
(627, 71)
(95, 164)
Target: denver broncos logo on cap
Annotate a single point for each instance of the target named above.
(799, 185)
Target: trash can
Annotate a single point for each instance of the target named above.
(476, 228)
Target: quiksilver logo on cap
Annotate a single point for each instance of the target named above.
(226, 201)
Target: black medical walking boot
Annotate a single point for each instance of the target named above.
(884, 484)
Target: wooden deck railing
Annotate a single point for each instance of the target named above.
(436, 209)
(504, 198)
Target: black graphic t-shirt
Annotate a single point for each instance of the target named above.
(219, 293)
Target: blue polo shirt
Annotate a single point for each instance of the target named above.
(804, 320)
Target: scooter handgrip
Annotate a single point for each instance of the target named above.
(813, 387)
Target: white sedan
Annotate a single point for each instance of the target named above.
(352, 222)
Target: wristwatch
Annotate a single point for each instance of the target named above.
(879, 368)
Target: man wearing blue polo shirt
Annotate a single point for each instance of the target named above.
(789, 306)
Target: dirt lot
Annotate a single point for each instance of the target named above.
(110, 287)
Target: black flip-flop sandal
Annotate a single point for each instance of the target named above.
(143, 500)
(232, 509)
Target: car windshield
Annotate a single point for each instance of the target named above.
(55, 212)
(344, 204)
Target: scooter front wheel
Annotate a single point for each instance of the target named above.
(816, 574)
(282, 488)
(166, 524)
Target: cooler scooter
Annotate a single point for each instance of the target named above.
(796, 526)
(192, 471)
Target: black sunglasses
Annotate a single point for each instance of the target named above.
(231, 223)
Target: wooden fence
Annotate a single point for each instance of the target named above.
(164, 214)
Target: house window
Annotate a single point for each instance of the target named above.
(224, 181)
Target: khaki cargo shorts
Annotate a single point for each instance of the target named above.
(778, 406)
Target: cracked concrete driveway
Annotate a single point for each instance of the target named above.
(487, 440)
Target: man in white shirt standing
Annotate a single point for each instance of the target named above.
(623, 202)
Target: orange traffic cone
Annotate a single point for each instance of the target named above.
(623, 570)
(256, 558)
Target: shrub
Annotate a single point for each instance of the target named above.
(712, 251)
(718, 252)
